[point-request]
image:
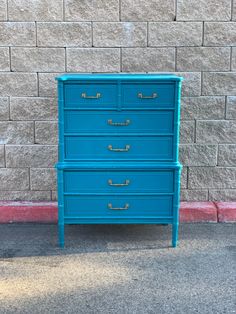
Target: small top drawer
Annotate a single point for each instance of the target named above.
(148, 96)
(90, 96)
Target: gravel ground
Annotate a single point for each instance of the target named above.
(118, 269)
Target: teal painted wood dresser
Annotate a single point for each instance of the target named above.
(118, 150)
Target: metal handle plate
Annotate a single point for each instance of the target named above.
(118, 208)
(110, 122)
(140, 95)
(84, 95)
(126, 149)
(126, 183)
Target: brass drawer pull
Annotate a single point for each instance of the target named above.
(140, 95)
(127, 122)
(126, 183)
(126, 149)
(118, 208)
(84, 95)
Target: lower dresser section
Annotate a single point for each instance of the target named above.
(113, 193)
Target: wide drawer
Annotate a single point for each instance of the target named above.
(146, 96)
(160, 181)
(119, 148)
(90, 96)
(118, 206)
(119, 122)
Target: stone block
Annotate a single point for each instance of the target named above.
(148, 10)
(46, 132)
(38, 156)
(234, 10)
(203, 108)
(3, 10)
(184, 178)
(119, 34)
(212, 178)
(25, 195)
(17, 34)
(54, 196)
(220, 34)
(187, 131)
(43, 179)
(37, 10)
(16, 132)
(4, 59)
(227, 154)
(231, 107)
(222, 195)
(18, 84)
(93, 60)
(33, 108)
(98, 10)
(37, 59)
(204, 10)
(2, 156)
(64, 34)
(203, 59)
(14, 179)
(213, 131)
(48, 84)
(148, 59)
(4, 108)
(194, 195)
(175, 34)
(191, 85)
(219, 83)
(198, 155)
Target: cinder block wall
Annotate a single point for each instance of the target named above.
(41, 38)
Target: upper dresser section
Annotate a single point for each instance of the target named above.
(120, 91)
(116, 117)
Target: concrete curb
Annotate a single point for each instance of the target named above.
(46, 212)
(226, 211)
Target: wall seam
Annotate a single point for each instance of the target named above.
(232, 6)
(7, 7)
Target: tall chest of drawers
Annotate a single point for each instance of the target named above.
(118, 150)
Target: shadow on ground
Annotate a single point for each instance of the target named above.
(118, 269)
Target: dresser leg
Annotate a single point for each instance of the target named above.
(61, 235)
(175, 228)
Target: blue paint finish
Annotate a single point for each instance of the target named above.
(153, 95)
(120, 206)
(137, 114)
(159, 181)
(133, 148)
(95, 95)
(119, 122)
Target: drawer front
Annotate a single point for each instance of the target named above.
(118, 206)
(90, 96)
(119, 148)
(161, 181)
(148, 96)
(119, 122)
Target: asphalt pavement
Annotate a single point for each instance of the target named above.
(118, 269)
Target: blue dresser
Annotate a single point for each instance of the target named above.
(118, 150)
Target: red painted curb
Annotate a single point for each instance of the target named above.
(198, 212)
(47, 212)
(28, 212)
(226, 211)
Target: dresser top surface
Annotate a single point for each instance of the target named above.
(119, 76)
